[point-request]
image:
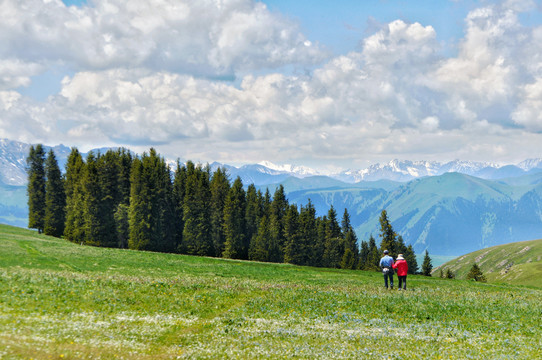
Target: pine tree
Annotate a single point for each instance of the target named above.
(373, 260)
(476, 274)
(220, 187)
(253, 212)
(55, 198)
(450, 274)
(351, 252)
(197, 238)
(179, 190)
(293, 249)
(122, 223)
(259, 246)
(151, 215)
(308, 228)
(73, 186)
(401, 247)
(125, 160)
(363, 255)
(318, 250)
(427, 266)
(333, 250)
(350, 243)
(96, 233)
(36, 188)
(389, 238)
(236, 246)
(122, 202)
(139, 218)
(108, 178)
(279, 205)
(164, 208)
(411, 260)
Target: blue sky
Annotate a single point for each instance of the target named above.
(330, 85)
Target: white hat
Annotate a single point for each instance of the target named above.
(400, 257)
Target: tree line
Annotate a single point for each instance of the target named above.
(120, 200)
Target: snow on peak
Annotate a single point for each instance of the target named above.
(288, 168)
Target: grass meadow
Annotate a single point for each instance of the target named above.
(64, 301)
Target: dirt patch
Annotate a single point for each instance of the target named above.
(480, 257)
(525, 249)
(507, 268)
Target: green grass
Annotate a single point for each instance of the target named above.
(64, 301)
(517, 263)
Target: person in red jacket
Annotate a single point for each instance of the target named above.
(402, 270)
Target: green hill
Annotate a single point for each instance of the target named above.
(516, 263)
(60, 300)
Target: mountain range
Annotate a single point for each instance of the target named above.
(446, 208)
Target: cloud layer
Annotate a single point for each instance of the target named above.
(144, 75)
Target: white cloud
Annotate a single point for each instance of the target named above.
(398, 96)
(529, 111)
(15, 73)
(204, 37)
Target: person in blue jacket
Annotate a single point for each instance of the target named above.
(386, 264)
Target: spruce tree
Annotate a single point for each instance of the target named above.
(363, 255)
(279, 205)
(350, 243)
(253, 212)
(96, 233)
(411, 260)
(151, 205)
(197, 238)
(122, 223)
(73, 186)
(179, 190)
(55, 198)
(373, 260)
(476, 274)
(401, 246)
(236, 245)
(259, 246)
(164, 209)
(319, 248)
(124, 158)
(351, 252)
(220, 187)
(122, 202)
(36, 188)
(427, 266)
(293, 249)
(139, 219)
(308, 228)
(333, 250)
(389, 238)
(108, 179)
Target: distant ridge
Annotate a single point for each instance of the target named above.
(517, 263)
(13, 161)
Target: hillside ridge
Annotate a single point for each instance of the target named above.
(514, 263)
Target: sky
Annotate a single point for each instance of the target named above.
(328, 85)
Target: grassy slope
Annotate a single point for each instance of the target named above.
(515, 263)
(61, 300)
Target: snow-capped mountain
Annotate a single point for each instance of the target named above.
(298, 171)
(13, 156)
(405, 170)
(529, 164)
(395, 170)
